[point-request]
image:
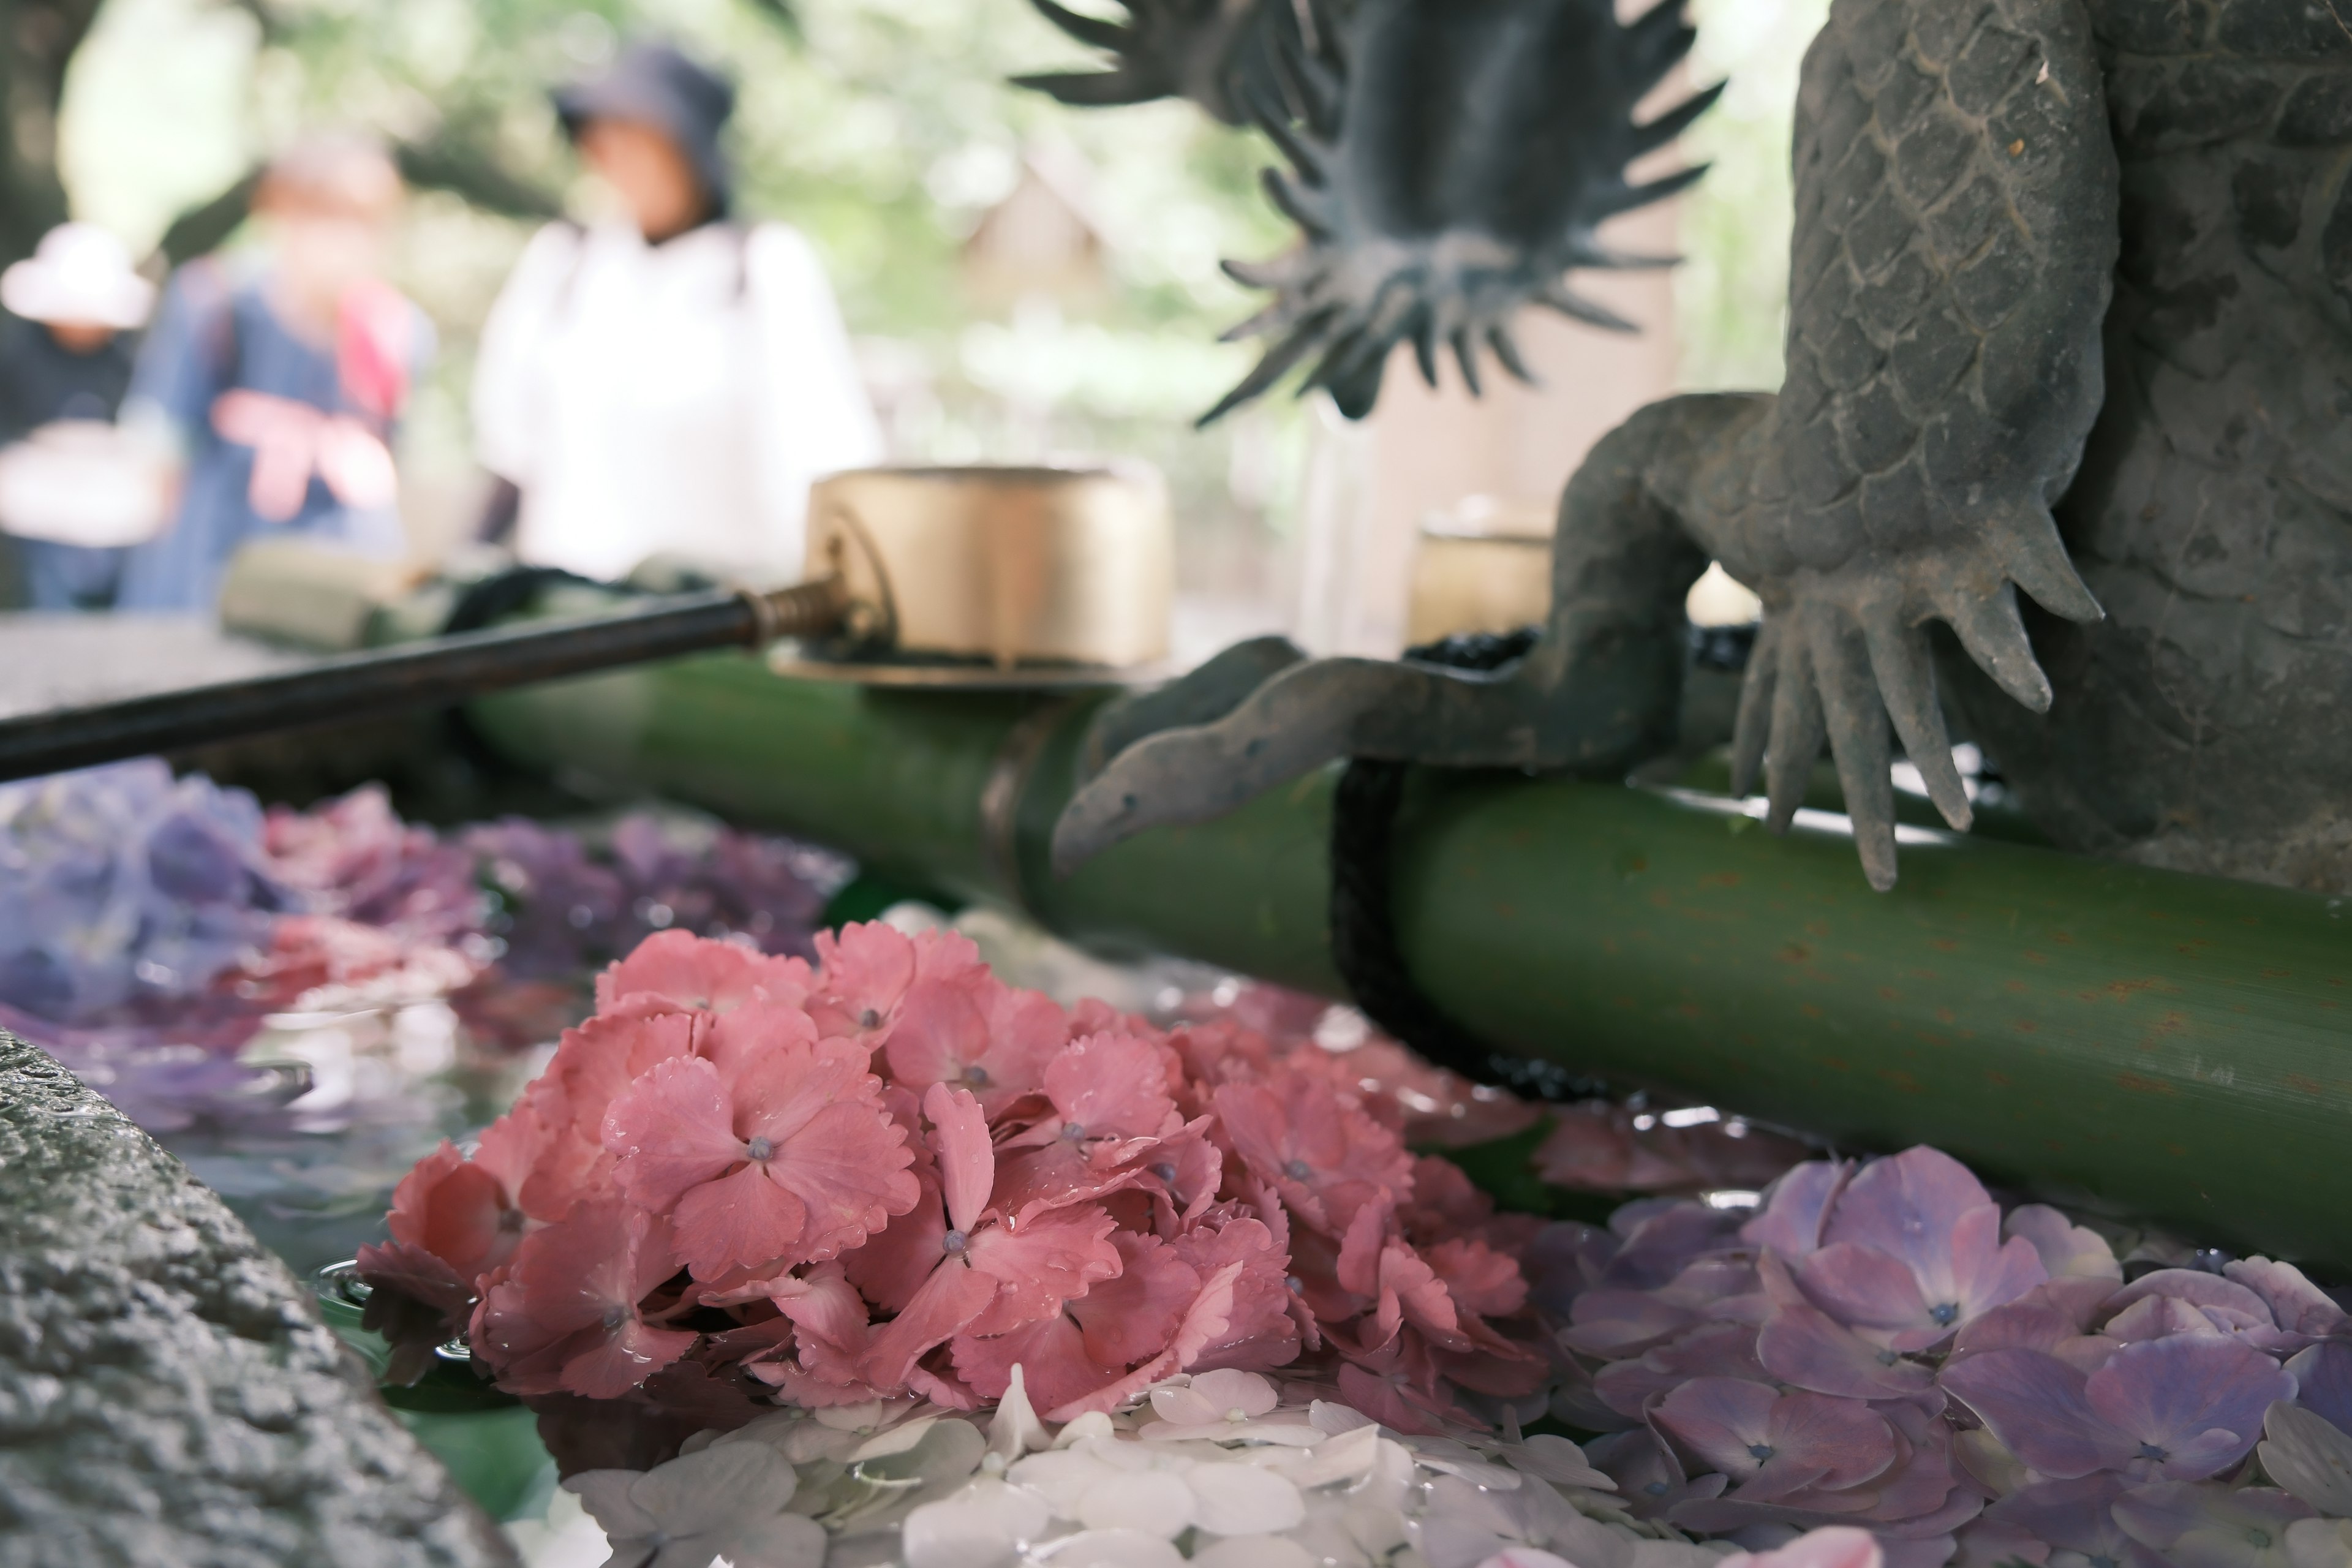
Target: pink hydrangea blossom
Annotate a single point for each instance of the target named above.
(790, 1160)
(567, 1314)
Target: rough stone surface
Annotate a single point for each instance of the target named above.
(168, 1396)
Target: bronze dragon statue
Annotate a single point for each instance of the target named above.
(2069, 327)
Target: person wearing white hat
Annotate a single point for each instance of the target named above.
(66, 357)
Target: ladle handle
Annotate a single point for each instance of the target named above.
(437, 673)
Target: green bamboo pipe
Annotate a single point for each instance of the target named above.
(2147, 1044)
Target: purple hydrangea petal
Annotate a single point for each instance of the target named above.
(2075, 1516)
(2036, 1406)
(2323, 1377)
(1619, 1323)
(2052, 1318)
(1981, 1271)
(1865, 1288)
(1723, 1420)
(1715, 1349)
(2192, 1405)
(1790, 1221)
(1843, 1442)
(1803, 1346)
(2296, 1304)
(2067, 1250)
(1907, 1207)
(2231, 1306)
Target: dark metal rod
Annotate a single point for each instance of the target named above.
(440, 674)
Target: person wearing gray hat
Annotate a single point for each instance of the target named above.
(670, 380)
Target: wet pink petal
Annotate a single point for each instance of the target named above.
(672, 1132)
(1318, 1150)
(947, 1302)
(746, 1217)
(2192, 1405)
(1261, 1331)
(802, 1115)
(892, 1266)
(1131, 1317)
(690, 972)
(1056, 1364)
(1865, 1288)
(967, 1163)
(1114, 1087)
(1481, 1281)
(2036, 1404)
(458, 1211)
(564, 1315)
(1053, 1258)
(976, 1034)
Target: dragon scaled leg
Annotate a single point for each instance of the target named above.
(1600, 691)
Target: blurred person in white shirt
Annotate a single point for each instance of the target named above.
(670, 382)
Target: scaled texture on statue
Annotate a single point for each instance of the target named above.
(2071, 286)
(1450, 162)
(167, 1392)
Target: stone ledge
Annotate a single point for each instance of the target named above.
(168, 1393)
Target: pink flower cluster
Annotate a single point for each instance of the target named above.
(1880, 1346)
(891, 1174)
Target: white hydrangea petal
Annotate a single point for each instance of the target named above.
(1243, 1500)
(1177, 1404)
(787, 1541)
(2319, 1544)
(1333, 1419)
(1093, 1425)
(1228, 1391)
(1345, 1458)
(1255, 1551)
(1112, 1549)
(982, 1526)
(1015, 1430)
(1062, 1476)
(1156, 1502)
(2307, 1455)
(1284, 1432)
(705, 1493)
(1555, 1459)
(1548, 1518)
(896, 1440)
(605, 1495)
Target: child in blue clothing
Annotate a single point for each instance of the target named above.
(281, 383)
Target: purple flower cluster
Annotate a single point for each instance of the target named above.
(1880, 1346)
(150, 925)
(562, 912)
(124, 890)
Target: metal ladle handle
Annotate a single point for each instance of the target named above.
(438, 674)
